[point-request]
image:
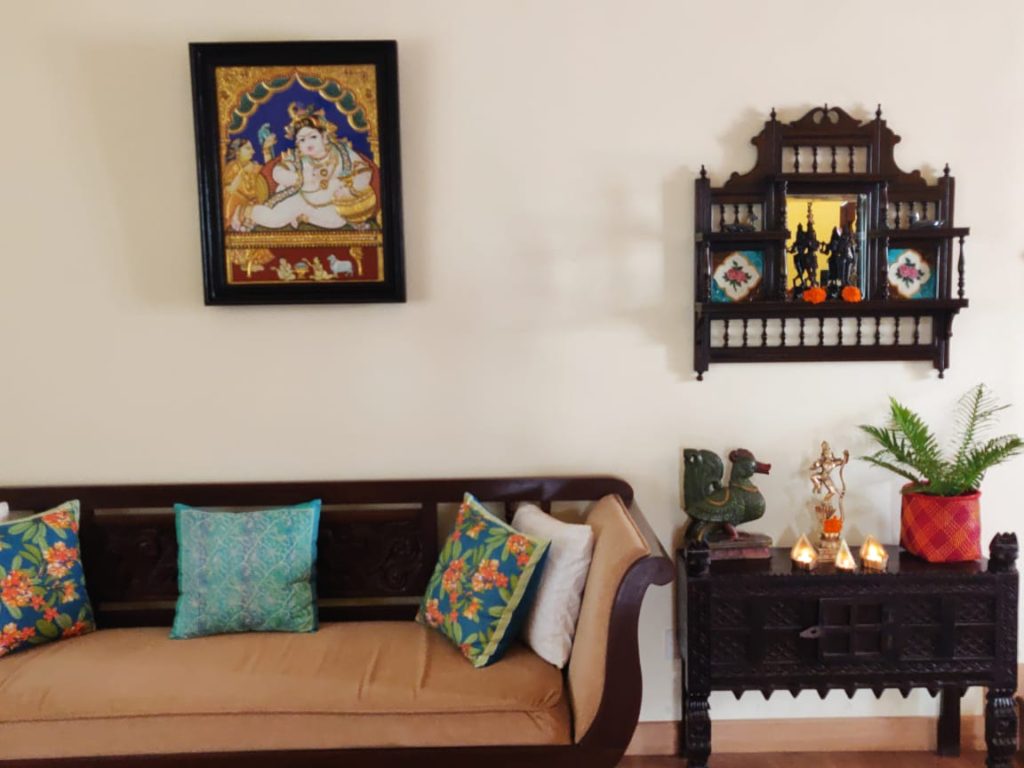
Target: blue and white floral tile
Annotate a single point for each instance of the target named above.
(737, 277)
(910, 274)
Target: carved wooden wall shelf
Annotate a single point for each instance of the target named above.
(891, 250)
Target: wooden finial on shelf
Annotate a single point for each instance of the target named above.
(1003, 551)
(773, 114)
(878, 112)
(945, 171)
(704, 173)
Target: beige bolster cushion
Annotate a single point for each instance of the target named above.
(617, 545)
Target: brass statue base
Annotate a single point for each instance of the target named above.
(828, 547)
(746, 546)
(831, 533)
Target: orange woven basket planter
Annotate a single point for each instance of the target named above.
(942, 529)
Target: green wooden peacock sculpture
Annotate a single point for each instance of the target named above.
(716, 510)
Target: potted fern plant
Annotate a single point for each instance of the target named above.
(941, 515)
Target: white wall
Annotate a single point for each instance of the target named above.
(549, 152)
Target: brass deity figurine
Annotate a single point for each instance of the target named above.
(830, 517)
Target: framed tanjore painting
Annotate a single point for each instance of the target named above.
(299, 177)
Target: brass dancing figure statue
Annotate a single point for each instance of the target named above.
(830, 517)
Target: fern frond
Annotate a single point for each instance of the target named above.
(922, 445)
(983, 457)
(879, 460)
(892, 444)
(975, 412)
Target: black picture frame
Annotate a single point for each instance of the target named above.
(231, 220)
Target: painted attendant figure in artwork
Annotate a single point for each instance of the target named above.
(244, 185)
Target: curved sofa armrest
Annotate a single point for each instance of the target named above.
(604, 679)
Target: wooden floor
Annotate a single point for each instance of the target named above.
(820, 760)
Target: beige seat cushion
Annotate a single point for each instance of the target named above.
(358, 684)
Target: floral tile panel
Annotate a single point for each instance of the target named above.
(910, 274)
(737, 276)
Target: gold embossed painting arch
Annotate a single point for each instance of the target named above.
(299, 171)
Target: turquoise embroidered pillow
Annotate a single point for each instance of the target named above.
(246, 571)
(42, 584)
(483, 584)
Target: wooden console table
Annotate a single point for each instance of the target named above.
(765, 626)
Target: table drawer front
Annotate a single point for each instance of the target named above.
(764, 631)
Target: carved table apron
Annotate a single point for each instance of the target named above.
(764, 626)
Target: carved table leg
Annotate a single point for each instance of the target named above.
(698, 730)
(949, 722)
(1000, 728)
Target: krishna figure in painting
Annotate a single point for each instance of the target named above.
(310, 210)
(323, 181)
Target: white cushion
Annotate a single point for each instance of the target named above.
(551, 623)
(4, 510)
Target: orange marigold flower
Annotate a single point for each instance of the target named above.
(50, 614)
(38, 602)
(815, 295)
(832, 524)
(851, 293)
(69, 593)
(477, 529)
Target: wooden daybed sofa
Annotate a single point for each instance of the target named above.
(371, 687)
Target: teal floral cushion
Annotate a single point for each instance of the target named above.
(246, 571)
(42, 584)
(483, 584)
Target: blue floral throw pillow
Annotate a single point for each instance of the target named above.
(483, 584)
(42, 584)
(246, 571)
